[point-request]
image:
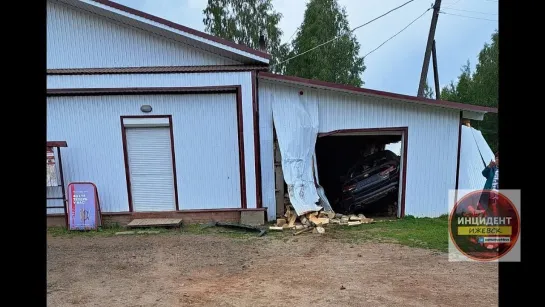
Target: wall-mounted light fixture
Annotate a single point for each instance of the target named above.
(146, 108)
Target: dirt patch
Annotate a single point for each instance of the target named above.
(205, 270)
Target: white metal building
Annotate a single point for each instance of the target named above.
(430, 132)
(167, 120)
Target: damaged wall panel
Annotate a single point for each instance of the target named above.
(432, 140)
(296, 123)
(475, 154)
(431, 149)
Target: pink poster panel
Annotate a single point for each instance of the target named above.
(83, 206)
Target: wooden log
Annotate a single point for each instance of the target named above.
(323, 221)
(292, 219)
(354, 223)
(367, 221)
(331, 214)
(288, 213)
(276, 228)
(319, 221)
(334, 221)
(354, 218)
(302, 231)
(361, 216)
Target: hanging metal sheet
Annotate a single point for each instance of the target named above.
(296, 124)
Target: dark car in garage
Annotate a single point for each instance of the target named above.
(371, 179)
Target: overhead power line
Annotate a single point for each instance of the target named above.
(397, 33)
(329, 41)
(293, 34)
(452, 4)
(472, 11)
(469, 16)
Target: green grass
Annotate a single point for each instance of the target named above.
(193, 229)
(429, 233)
(414, 232)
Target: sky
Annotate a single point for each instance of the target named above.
(397, 65)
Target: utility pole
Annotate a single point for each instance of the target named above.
(435, 71)
(431, 36)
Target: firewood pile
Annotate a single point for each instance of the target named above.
(315, 221)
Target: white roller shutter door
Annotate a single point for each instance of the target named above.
(150, 165)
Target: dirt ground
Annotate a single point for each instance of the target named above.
(205, 270)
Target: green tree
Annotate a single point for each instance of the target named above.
(428, 91)
(243, 21)
(337, 61)
(480, 88)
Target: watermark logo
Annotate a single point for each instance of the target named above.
(484, 225)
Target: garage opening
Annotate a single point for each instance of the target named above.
(362, 172)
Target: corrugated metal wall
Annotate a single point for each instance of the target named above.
(432, 140)
(205, 140)
(78, 39)
(266, 143)
(173, 80)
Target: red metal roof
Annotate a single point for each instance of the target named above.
(56, 144)
(183, 28)
(359, 90)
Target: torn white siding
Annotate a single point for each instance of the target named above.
(181, 80)
(79, 39)
(205, 144)
(475, 154)
(432, 138)
(296, 123)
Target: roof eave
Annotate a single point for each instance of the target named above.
(380, 94)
